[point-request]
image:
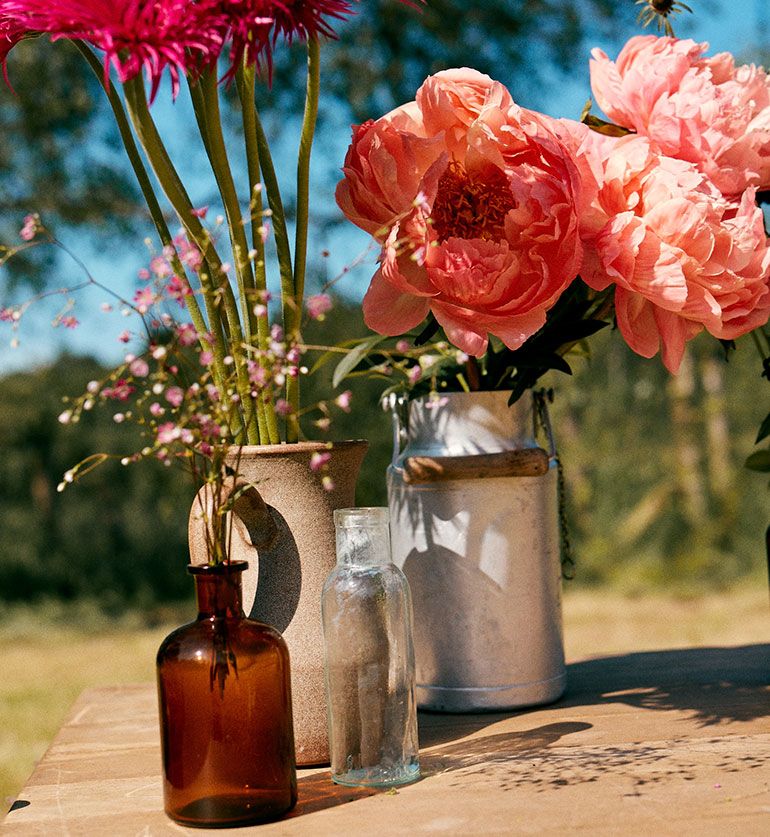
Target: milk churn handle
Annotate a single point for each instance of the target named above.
(541, 397)
(396, 403)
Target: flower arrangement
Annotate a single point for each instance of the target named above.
(226, 373)
(520, 235)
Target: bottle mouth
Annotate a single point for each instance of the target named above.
(363, 516)
(218, 569)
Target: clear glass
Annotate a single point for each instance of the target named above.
(367, 622)
(225, 711)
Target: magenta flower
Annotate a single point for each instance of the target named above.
(135, 35)
(318, 460)
(120, 392)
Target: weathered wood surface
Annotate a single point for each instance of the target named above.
(665, 743)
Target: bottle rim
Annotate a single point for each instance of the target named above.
(361, 516)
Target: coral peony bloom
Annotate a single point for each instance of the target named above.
(475, 200)
(707, 111)
(681, 256)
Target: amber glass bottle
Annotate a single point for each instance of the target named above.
(225, 711)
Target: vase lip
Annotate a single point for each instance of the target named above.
(297, 447)
(218, 569)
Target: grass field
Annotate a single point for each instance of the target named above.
(48, 657)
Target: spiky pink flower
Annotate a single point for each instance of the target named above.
(135, 35)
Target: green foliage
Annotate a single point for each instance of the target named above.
(119, 536)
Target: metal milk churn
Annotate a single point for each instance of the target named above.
(474, 526)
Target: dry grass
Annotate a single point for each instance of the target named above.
(45, 665)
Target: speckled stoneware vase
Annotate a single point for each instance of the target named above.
(282, 586)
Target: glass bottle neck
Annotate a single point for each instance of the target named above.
(363, 546)
(219, 594)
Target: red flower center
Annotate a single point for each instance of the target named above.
(470, 205)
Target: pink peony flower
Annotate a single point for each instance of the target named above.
(476, 201)
(681, 256)
(707, 111)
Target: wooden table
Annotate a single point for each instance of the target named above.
(671, 742)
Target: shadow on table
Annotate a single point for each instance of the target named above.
(717, 685)
(317, 792)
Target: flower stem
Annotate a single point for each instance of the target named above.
(245, 82)
(215, 285)
(281, 241)
(303, 203)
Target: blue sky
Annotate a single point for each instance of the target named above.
(735, 26)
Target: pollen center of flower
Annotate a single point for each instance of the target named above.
(471, 205)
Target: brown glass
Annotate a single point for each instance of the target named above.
(225, 711)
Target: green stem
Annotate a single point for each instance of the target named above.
(220, 165)
(156, 213)
(215, 284)
(281, 240)
(245, 80)
(303, 203)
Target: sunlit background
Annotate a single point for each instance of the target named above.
(658, 500)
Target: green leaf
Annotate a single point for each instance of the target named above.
(354, 357)
(764, 430)
(759, 461)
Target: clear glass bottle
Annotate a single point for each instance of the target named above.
(225, 711)
(367, 622)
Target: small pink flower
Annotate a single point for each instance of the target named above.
(199, 212)
(120, 391)
(7, 315)
(167, 433)
(30, 228)
(124, 337)
(186, 334)
(177, 289)
(318, 460)
(323, 423)
(186, 436)
(403, 346)
(328, 483)
(258, 375)
(156, 409)
(282, 407)
(143, 274)
(343, 400)
(160, 267)
(69, 321)
(174, 396)
(144, 299)
(139, 368)
(415, 373)
(206, 358)
(318, 305)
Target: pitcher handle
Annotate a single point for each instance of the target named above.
(251, 512)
